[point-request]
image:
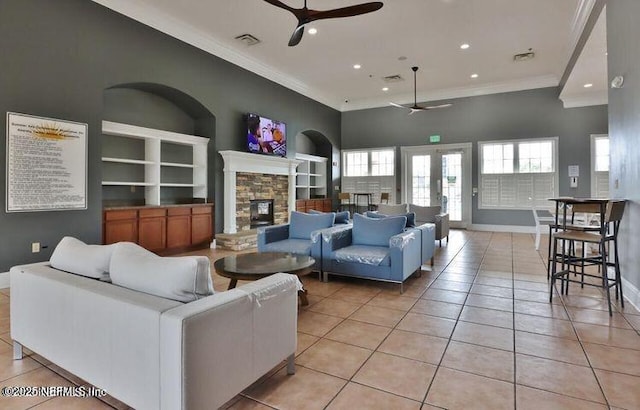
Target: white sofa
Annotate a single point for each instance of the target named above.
(151, 352)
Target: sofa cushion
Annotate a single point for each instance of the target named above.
(301, 225)
(297, 246)
(411, 217)
(393, 209)
(369, 255)
(342, 217)
(74, 256)
(376, 232)
(425, 213)
(184, 279)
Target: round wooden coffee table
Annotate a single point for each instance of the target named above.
(257, 265)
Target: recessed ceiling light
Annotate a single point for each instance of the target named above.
(588, 85)
(474, 75)
(313, 31)
(464, 46)
(385, 89)
(357, 66)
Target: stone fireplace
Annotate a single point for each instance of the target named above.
(250, 177)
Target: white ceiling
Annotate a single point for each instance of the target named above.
(427, 32)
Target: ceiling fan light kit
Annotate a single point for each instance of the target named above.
(306, 15)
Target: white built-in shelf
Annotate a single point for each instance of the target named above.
(177, 185)
(127, 161)
(120, 183)
(177, 165)
(311, 176)
(154, 140)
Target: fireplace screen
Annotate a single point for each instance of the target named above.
(261, 212)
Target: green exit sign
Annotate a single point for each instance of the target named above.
(434, 139)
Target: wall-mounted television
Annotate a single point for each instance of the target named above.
(266, 136)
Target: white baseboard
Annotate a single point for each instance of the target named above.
(4, 280)
(631, 293)
(502, 228)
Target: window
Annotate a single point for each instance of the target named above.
(513, 173)
(356, 164)
(600, 166)
(382, 163)
(370, 171)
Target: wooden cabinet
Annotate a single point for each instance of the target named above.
(321, 204)
(161, 229)
(179, 227)
(152, 229)
(120, 226)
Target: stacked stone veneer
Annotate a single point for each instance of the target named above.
(250, 186)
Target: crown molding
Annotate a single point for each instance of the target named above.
(598, 97)
(451, 93)
(184, 32)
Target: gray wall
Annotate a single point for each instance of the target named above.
(526, 114)
(624, 127)
(58, 59)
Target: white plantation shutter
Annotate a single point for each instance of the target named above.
(601, 184)
(516, 190)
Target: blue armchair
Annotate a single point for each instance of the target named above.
(427, 233)
(377, 249)
(302, 235)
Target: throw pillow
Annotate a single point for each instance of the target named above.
(411, 217)
(301, 225)
(184, 278)
(341, 217)
(74, 256)
(376, 232)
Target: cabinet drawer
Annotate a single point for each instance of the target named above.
(179, 211)
(120, 215)
(199, 210)
(152, 213)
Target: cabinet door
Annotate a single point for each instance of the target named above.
(201, 229)
(178, 231)
(120, 225)
(120, 230)
(326, 205)
(152, 233)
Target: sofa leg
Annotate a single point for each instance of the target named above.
(401, 288)
(291, 364)
(432, 261)
(17, 351)
(440, 243)
(325, 277)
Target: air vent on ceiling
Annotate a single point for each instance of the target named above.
(248, 39)
(524, 56)
(392, 78)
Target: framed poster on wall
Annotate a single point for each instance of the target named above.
(46, 164)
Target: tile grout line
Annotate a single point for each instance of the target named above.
(350, 380)
(424, 400)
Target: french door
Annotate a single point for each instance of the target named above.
(441, 176)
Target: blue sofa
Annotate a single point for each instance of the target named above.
(302, 236)
(378, 249)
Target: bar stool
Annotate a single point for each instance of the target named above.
(607, 237)
(345, 202)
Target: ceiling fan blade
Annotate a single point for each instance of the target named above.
(397, 105)
(296, 36)
(345, 11)
(435, 107)
(280, 4)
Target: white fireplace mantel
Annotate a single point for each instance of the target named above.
(236, 161)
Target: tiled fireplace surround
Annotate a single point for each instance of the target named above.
(253, 176)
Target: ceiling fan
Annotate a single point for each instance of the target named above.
(415, 107)
(305, 15)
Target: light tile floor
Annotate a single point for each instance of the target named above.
(474, 331)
